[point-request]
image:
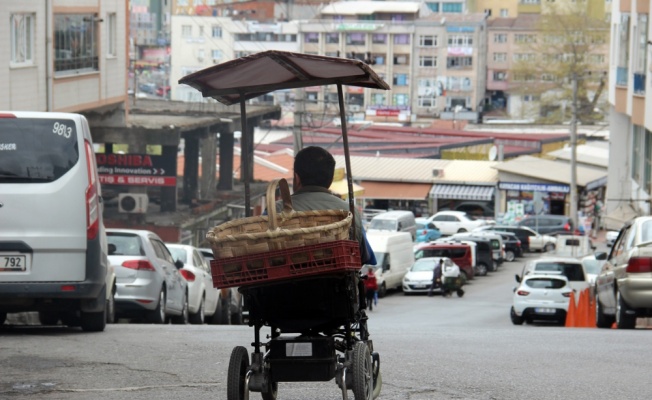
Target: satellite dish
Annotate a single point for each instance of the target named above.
(493, 153)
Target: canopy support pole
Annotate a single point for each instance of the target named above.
(245, 174)
(347, 158)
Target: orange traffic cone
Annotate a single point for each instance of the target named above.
(592, 322)
(583, 310)
(570, 314)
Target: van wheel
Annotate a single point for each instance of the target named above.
(93, 321)
(624, 319)
(382, 290)
(509, 256)
(481, 269)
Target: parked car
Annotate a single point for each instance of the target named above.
(610, 237)
(497, 246)
(512, 245)
(530, 239)
(230, 308)
(426, 231)
(569, 267)
(451, 222)
(395, 221)
(149, 283)
(394, 255)
(52, 236)
(624, 284)
(476, 209)
(203, 297)
(573, 246)
(484, 261)
(540, 296)
(461, 254)
(548, 223)
(418, 278)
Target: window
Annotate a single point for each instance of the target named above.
(459, 62)
(500, 57)
(641, 52)
(427, 61)
(499, 76)
(428, 41)
(332, 38)
(500, 38)
(311, 37)
(525, 38)
(216, 31)
(356, 39)
(216, 55)
(401, 80)
(111, 26)
(186, 30)
(460, 41)
(402, 39)
(400, 100)
(433, 6)
(379, 38)
(504, 13)
(452, 7)
(75, 47)
(637, 147)
(401, 59)
(524, 57)
(378, 99)
(530, 98)
(22, 38)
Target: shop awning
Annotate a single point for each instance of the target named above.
(395, 190)
(462, 192)
(341, 188)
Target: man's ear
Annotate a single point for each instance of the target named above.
(296, 183)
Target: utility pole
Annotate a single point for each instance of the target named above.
(298, 114)
(573, 160)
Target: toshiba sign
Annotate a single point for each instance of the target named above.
(137, 169)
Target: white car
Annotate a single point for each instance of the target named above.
(451, 222)
(418, 279)
(541, 297)
(203, 298)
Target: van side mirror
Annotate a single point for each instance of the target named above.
(518, 278)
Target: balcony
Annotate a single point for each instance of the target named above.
(639, 83)
(621, 76)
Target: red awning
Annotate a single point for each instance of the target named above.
(395, 190)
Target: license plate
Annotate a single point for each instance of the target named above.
(420, 286)
(545, 310)
(13, 263)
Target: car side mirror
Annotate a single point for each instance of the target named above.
(178, 264)
(601, 255)
(112, 249)
(518, 278)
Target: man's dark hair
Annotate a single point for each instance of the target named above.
(315, 166)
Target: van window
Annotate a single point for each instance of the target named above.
(434, 253)
(383, 224)
(457, 252)
(36, 150)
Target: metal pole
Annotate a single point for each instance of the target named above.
(347, 157)
(245, 173)
(299, 107)
(573, 161)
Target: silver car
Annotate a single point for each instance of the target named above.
(149, 283)
(624, 285)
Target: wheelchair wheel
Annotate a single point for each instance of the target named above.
(238, 366)
(460, 292)
(362, 372)
(272, 391)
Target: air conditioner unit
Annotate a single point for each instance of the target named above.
(133, 203)
(437, 173)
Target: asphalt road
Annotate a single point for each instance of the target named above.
(430, 348)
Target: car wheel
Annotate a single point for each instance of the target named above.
(238, 367)
(516, 320)
(602, 320)
(198, 317)
(509, 256)
(549, 247)
(221, 315)
(494, 266)
(92, 321)
(110, 308)
(382, 290)
(183, 318)
(465, 277)
(481, 269)
(157, 316)
(461, 230)
(624, 320)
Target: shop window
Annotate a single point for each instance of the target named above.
(75, 43)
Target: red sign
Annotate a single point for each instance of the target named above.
(138, 180)
(387, 113)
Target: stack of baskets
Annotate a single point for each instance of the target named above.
(248, 239)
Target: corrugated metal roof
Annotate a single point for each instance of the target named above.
(370, 7)
(387, 169)
(470, 171)
(551, 170)
(590, 154)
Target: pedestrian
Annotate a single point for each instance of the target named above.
(370, 287)
(436, 276)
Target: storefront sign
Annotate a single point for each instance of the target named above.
(534, 187)
(136, 169)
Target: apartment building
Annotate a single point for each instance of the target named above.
(65, 56)
(431, 60)
(630, 157)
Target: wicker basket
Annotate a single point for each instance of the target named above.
(278, 231)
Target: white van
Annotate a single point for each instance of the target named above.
(394, 255)
(53, 248)
(395, 221)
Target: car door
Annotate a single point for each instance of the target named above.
(173, 279)
(606, 280)
(210, 301)
(445, 224)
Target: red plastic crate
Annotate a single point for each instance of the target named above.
(336, 256)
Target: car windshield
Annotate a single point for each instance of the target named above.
(383, 224)
(545, 283)
(421, 226)
(572, 271)
(125, 244)
(423, 265)
(178, 254)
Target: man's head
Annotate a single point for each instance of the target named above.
(314, 166)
